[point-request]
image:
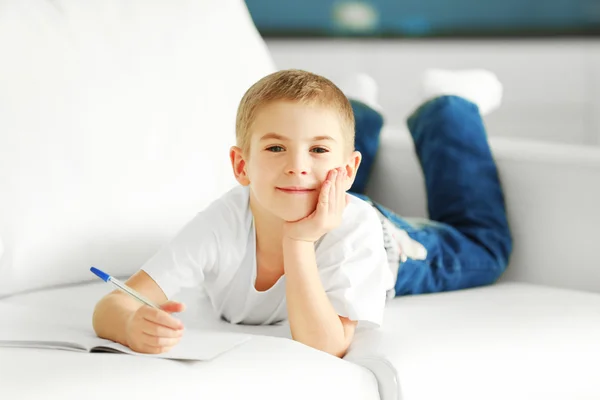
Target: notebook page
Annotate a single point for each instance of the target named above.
(195, 345)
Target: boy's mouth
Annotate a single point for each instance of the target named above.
(295, 189)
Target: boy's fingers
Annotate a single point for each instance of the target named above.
(341, 192)
(324, 195)
(147, 349)
(161, 331)
(172, 306)
(162, 318)
(156, 341)
(331, 202)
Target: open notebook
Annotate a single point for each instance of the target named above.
(195, 345)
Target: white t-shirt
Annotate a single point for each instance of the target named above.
(217, 249)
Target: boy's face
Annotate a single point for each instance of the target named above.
(292, 148)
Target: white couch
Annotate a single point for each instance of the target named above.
(112, 115)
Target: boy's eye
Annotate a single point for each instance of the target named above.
(275, 149)
(319, 150)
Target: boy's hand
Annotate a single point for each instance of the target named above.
(327, 214)
(154, 331)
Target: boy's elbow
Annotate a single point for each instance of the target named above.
(341, 352)
(337, 347)
(335, 350)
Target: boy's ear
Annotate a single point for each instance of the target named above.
(238, 164)
(352, 167)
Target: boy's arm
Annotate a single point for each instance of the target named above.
(313, 320)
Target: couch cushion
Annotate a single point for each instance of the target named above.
(269, 366)
(507, 341)
(115, 122)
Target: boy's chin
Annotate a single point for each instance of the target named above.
(294, 215)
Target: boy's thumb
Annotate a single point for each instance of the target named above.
(172, 306)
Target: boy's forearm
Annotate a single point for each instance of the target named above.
(111, 315)
(313, 320)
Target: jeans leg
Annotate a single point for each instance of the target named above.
(467, 238)
(367, 124)
(453, 261)
(463, 187)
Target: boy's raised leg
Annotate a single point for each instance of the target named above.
(468, 240)
(463, 186)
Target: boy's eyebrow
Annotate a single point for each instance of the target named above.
(324, 137)
(272, 135)
(277, 136)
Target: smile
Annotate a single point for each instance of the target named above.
(295, 190)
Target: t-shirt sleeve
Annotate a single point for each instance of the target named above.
(354, 271)
(186, 259)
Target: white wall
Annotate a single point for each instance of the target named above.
(551, 87)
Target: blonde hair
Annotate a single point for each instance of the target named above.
(292, 85)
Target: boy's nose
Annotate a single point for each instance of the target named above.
(297, 171)
(297, 166)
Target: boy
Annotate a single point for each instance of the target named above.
(289, 243)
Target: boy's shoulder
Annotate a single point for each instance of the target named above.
(359, 222)
(229, 210)
(358, 208)
(236, 198)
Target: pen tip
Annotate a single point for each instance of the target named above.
(102, 275)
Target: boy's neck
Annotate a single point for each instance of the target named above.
(269, 229)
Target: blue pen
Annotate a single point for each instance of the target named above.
(107, 278)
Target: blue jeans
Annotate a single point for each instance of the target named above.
(467, 236)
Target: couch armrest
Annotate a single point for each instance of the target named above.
(368, 349)
(553, 199)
